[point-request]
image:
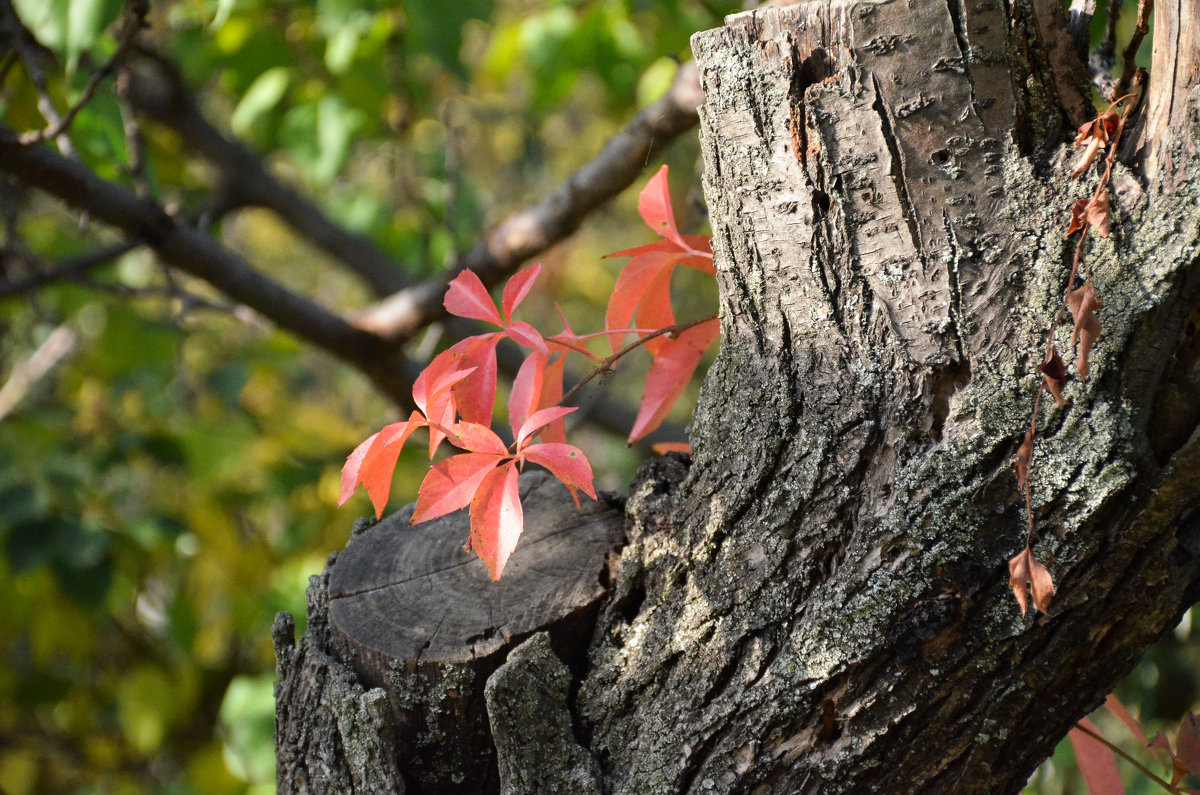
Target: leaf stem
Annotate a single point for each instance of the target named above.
(1116, 749)
(1076, 261)
(606, 365)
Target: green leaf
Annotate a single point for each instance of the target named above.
(248, 717)
(435, 27)
(69, 27)
(336, 126)
(260, 98)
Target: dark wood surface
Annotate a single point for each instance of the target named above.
(411, 593)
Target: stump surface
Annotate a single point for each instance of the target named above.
(418, 616)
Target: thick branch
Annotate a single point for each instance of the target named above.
(534, 229)
(158, 91)
(201, 256)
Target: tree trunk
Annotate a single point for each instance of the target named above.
(820, 602)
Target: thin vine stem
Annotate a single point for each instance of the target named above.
(607, 365)
(1076, 261)
(1116, 749)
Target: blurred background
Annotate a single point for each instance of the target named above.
(169, 463)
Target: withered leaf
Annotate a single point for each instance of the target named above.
(1094, 135)
(1024, 571)
(1103, 126)
(1083, 302)
(1089, 154)
(1078, 217)
(1024, 458)
(1098, 212)
(1054, 375)
(1109, 121)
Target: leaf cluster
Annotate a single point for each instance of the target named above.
(456, 393)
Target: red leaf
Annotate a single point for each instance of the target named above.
(1024, 570)
(670, 373)
(525, 334)
(476, 394)
(568, 340)
(1187, 743)
(1022, 461)
(1054, 375)
(476, 438)
(1083, 302)
(552, 392)
(1179, 770)
(657, 247)
(517, 288)
(451, 483)
(1113, 705)
(697, 255)
(654, 205)
(496, 518)
(1096, 762)
(439, 375)
(567, 463)
(662, 448)
(526, 390)
(380, 461)
(632, 285)
(467, 297)
(540, 419)
(654, 310)
(350, 478)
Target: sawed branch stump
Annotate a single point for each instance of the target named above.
(405, 616)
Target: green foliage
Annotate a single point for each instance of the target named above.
(169, 483)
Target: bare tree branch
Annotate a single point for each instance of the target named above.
(532, 230)
(72, 268)
(158, 91)
(193, 252)
(25, 374)
(19, 38)
(135, 20)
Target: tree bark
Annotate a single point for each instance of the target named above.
(820, 601)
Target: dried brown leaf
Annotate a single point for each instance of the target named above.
(1101, 127)
(1023, 459)
(1018, 576)
(1054, 375)
(1085, 132)
(1109, 122)
(1083, 302)
(1041, 584)
(1026, 572)
(1078, 217)
(1089, 154)
(1094, 135)
(1098, 213)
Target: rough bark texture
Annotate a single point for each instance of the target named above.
(531, 725)
(407, 620)
(828, 610)
(819, 601)
(331, 735)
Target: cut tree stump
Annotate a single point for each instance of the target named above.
(413, 614)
